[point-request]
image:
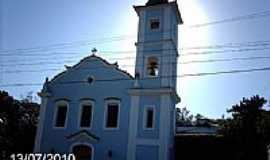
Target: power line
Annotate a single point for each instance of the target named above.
(42, 59)
(80, 43)
(225, 51)
(39, 63)
(184, 62)
(217, 46)
(21, 84)
(40, 54)
(122, 37)
(226, 72)
(234, 19)
(263, 46)
(30, 71)
(224, 60)
(65, 45)
(126, 79)
(230, 45)
(191, 53)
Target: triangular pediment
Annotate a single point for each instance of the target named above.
(92, 63)
(83, 135)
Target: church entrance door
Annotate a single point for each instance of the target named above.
(83, 152)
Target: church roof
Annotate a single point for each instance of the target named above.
(93, 56)
(154, 2)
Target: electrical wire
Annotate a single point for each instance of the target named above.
(128, 79)
(234, 19)
(241, 49)
(129, 65)
(123, 37)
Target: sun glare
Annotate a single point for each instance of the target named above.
(192, 14)
(128, 29)
(189, 36)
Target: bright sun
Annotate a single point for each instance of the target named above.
(192, 14)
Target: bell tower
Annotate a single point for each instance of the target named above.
(153, 97)
(157, 43)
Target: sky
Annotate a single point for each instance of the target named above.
(43, 36)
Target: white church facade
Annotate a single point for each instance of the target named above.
(98, 111)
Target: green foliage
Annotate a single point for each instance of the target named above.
(249, 128)
(183, 117)
(18, 121)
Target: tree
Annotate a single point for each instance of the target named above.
(18, 121)
(249, 128)
(199, 117)
(183, 117)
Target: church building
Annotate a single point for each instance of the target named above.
(98, 111)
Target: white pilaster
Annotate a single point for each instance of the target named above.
(166, 53)
(140, 47)
(133, 127)
(42, 112)
(164, 126)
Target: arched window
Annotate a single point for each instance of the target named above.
(60, 118)
(152, 66)
(83, 152)
(86, 113)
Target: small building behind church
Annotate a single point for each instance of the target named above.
(98, 111)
